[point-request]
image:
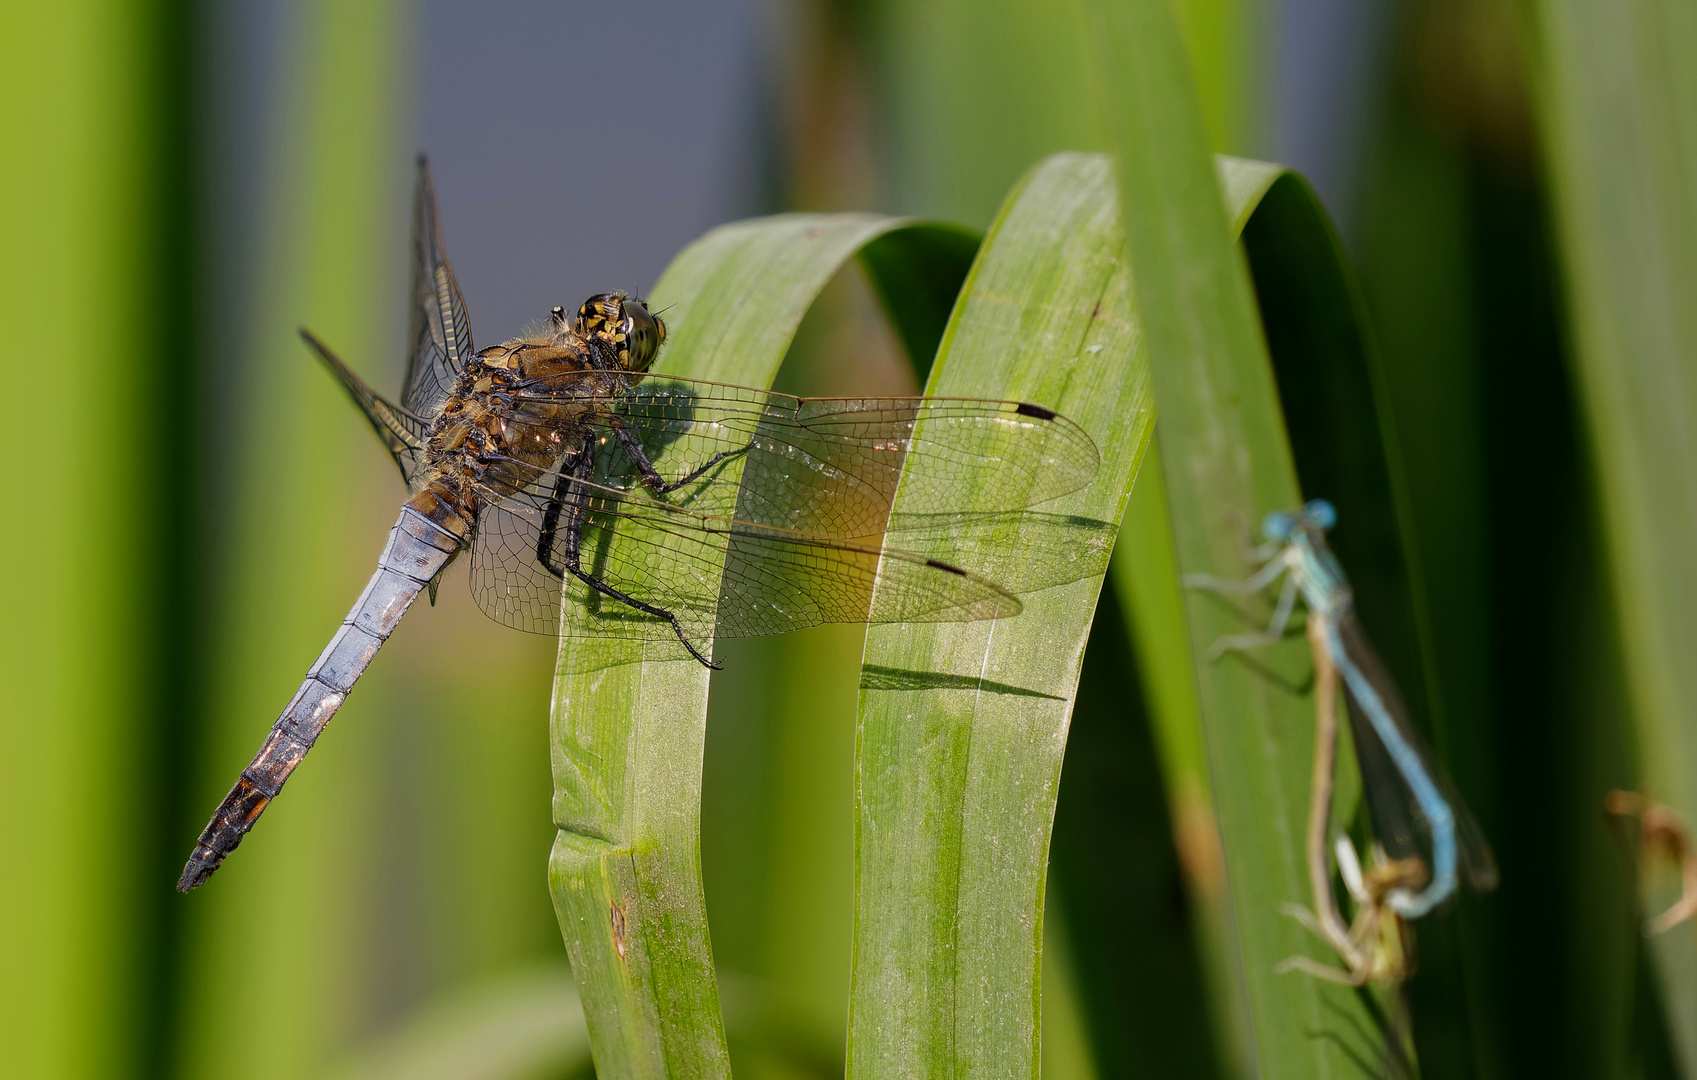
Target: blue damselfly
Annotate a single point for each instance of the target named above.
(1415, 812)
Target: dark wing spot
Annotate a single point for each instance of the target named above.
(1036, 412)
(936, 564)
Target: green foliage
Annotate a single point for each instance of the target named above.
(963, 725)
(958, 773)
(885, 890)
(628, 734)
(1618, 102)
(1226, 462)
(84, 656)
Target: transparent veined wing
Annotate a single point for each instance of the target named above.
(401, 433)
(827, 466)
(1398, 822)
(440, 331)
(719, 575)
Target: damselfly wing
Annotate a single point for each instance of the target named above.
(1399, 823)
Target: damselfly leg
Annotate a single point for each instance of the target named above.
(1433, 843)
(1376, 947)
(1275, 564)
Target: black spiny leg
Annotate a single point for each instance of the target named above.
(651, 478)
(570, 501)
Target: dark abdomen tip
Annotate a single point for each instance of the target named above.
(198, 869)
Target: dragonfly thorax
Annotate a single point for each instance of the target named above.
(518, 407)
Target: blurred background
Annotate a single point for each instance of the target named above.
(188, 183)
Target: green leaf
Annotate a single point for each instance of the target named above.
(627, 733)
(525, 1025)
(917, 273)
(1226, 461)
(1330, 389)
(963, 725)
(97, 631)
(1617, 97)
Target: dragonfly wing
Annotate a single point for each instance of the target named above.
(830, 466)
(508, 583)
(440, 328)
(401, 433)
(1026, 550)
(719, 575)
(1397, 820)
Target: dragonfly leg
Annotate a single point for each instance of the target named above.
(651, 477)
(571, 502)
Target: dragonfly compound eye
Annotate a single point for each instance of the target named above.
(643, 334)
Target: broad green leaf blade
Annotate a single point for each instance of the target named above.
(1144, 966)
(777, 845)
(963, 725)
(627, 734)
(1329, 381)
(1145, 578)
(1618, 104)
(1226, 461)
(1121, 928)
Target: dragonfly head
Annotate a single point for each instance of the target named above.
(625, 326)
(1317, 514)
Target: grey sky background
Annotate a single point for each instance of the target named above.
(577, 147)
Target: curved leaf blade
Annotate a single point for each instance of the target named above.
(963, 726)
(1227, 461)
(627, 735)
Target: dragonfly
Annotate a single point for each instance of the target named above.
(1430, 840)
(542, 457)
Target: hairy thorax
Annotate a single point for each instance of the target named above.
(518, 408)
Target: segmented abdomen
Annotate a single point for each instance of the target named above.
(416, 552)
